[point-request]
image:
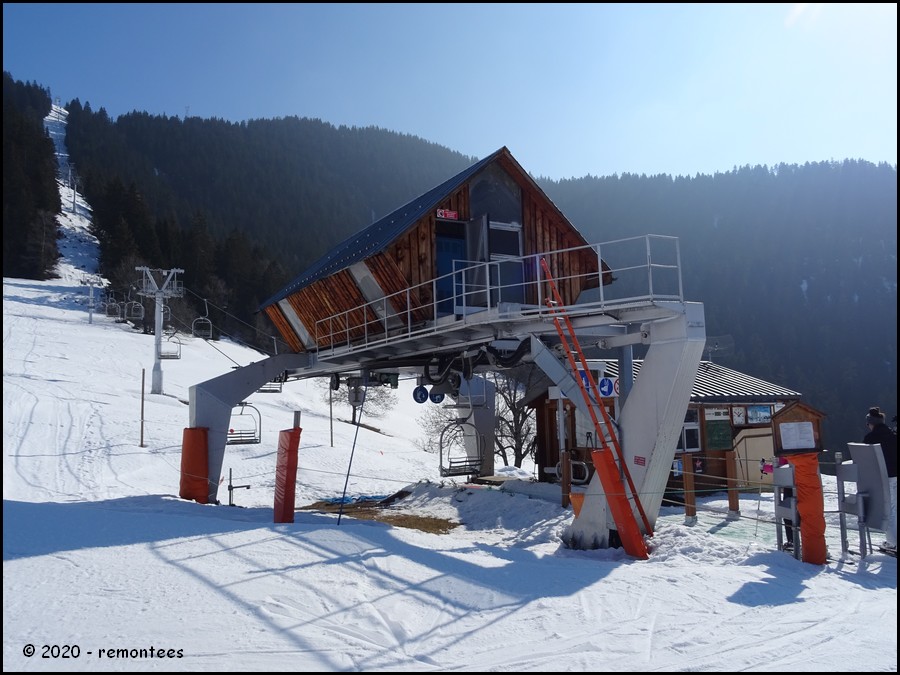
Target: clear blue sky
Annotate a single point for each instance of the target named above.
(570, 89)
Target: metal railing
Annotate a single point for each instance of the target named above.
(644, 270)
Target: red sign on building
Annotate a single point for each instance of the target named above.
(449, 215)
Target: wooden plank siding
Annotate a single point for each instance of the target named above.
(277, 317)
(406, 253)
(389, 277)
(331, 296)
(425, 261)
(544, 231)
(410, 262)
(414, 252)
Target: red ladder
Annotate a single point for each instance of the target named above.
(606, 468)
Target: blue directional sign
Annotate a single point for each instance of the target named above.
(607, 386)
(420, 394)
(436, 397)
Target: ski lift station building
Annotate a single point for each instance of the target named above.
(483, 272)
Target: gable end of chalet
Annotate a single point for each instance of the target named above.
(408, 267)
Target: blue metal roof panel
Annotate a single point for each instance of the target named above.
(377, 236)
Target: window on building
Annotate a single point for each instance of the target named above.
(689, 441)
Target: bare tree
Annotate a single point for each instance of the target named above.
(514, 431)
(433, 420)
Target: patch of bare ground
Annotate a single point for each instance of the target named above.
(382, 512)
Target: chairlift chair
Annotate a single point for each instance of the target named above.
(134, 311)
(171, 348)
(273, 386)
(459, 463)
(245, 426)
(201, 327)
(166, 315)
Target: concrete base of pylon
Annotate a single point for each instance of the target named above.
(589, 529)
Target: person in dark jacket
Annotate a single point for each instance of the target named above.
(881, 434)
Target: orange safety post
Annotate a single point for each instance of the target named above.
(194, 465)
(810, 507)
(286, 474)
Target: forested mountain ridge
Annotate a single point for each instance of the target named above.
(796, 263)
(30, 196)
(298, 185)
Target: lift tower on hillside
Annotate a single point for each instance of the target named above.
(168, 287)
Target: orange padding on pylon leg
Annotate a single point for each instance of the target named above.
(577, 499)
(195, 465)
(286, 474)
(810, 507)
(623, 516)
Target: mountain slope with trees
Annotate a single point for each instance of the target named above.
(796, 264)
(30, 195)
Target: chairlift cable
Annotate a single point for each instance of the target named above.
(209, 342)
(224, 311)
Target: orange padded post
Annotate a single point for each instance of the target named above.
(194, 465)
(810, 507)
(286, 474)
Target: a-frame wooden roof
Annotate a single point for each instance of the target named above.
(380, 234)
